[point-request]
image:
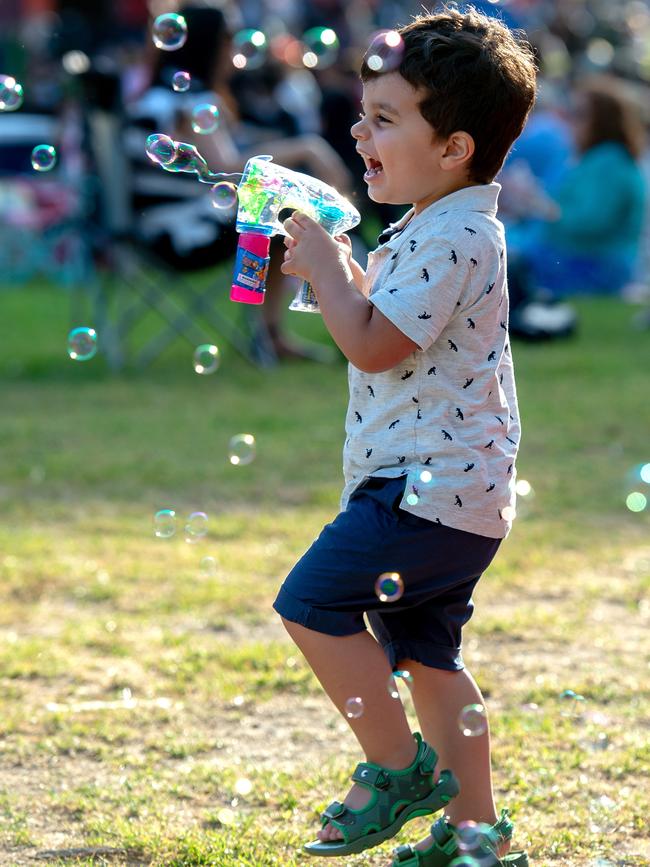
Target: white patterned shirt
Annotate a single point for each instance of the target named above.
(446, 416)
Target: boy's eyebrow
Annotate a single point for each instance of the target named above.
(382, 106)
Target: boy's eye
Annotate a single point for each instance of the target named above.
(378, 118)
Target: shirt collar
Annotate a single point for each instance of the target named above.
(481, 197)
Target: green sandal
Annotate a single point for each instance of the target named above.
(397, 797)
(444, 848)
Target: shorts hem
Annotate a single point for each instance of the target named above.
(431, 655)
(328, 622)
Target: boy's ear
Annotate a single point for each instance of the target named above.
(458, 151)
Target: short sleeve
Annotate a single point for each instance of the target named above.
(421, 295)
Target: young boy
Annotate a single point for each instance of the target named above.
(432, 434)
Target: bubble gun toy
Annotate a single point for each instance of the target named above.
(264, 190)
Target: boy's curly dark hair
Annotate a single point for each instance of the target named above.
(475, 74)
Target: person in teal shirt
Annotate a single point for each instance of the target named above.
(585, 239)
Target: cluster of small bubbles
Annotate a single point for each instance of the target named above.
(43, 158)
(243, 786)
(223, 196)
(241, 449)
(321, 47)
(82, 343)
(354, 707)
(196, 527)
(206, 358)
(11, 93)
(205, 118)
(395, 679)
(208, 567)
(160, 148)
(385, 51)
(181, 81)
(389, 587)
(169, 31)
(249, 50)
(164, 523)
(472, 721)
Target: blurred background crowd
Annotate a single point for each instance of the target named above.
(284, 77)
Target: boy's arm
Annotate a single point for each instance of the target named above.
(365, 336)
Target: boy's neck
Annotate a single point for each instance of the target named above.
(460, 184)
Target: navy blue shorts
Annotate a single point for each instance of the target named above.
(333, 584)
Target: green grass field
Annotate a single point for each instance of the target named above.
(153, 712)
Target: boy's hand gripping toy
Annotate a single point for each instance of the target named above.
(264, 190)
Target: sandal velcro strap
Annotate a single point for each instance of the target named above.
(371, 775)
(442, 833)
(405, 857)
(428, 760)
(335, 811)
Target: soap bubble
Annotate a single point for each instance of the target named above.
(82, 343)
(160, 148)
(354, 707)
(181, 81)
(395, 679)
(572, 703)
(249, 49)
(385, 51)
(223, 195)
(205, 118)
(426, 477)
(169, 31)
(164, 523)
(602, 815)
(472, 721)
(11, 93)
(208, 567)
(472, 835)
(226, 816)
(241, 449)
(196, 526)
(206, 358)
(389, 587)
(321, 47)
(43, 158)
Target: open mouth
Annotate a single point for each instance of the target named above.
(374, 169)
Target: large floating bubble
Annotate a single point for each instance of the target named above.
(206, 358)
(223, 196)
(472, 721)
(160, 149)
(250, 48)
(354, 707)
(241, 449)
(11, 93)
(169, 31)
(164, 523)
(389, 587)
(321, 47)
(181, 81)
(43, 158)
(205, 118)
(385, 51)
(82, 343)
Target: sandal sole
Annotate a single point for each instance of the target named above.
(439, 859)
(444, 791)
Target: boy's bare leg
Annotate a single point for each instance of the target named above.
(439, 697)
(355, 665)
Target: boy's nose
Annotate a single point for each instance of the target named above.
(357, 130)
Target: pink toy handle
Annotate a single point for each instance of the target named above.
(251, 268)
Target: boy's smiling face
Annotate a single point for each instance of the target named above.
(405, 162)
